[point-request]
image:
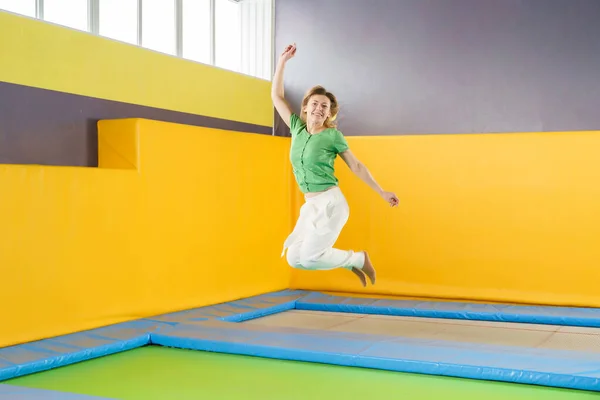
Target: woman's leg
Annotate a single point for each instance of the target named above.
(294, 241)
(310, 245)
(316, 251)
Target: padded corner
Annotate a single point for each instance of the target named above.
(237, 310)
(263, 305)
(118, 144)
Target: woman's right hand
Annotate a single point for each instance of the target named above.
(288, 53)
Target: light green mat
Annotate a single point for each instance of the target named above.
(153, 373)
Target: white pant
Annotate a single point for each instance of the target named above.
(310, 245)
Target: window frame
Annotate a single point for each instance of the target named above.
(93, 27)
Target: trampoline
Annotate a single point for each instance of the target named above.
(297, 344)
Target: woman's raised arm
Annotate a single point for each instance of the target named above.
(277, 93)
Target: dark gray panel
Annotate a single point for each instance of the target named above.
(447, 66)
(39, 126)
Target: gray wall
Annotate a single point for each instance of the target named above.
(446, 66)
(47, 127)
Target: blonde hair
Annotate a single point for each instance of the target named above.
(333, 110)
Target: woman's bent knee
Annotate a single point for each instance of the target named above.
(293, 256)
(296, 259)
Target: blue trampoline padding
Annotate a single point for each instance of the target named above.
(44, 354)
(547, 315)
(9, 392)
(263, 305)
(559, 368)
(215, 328)
(238, 310)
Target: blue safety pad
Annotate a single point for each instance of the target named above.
(567, 369)
(56, 352)
(215, 328)
(238, 310)
(9, 392)
(547, 315)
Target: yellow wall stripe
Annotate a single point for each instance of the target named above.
(48, 56)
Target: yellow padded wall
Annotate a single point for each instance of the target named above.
(502, 217)
(197, 221)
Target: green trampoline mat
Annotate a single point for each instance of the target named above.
(163, 373)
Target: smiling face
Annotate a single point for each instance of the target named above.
(319, 107)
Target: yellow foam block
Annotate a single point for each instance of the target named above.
(175, 218)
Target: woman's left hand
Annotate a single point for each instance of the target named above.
(390, 198)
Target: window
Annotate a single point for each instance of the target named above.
(228, 35)
(158, 25)
(118, 19)
(71, 13)
(24, 7)
(196, 30)
(256, 45)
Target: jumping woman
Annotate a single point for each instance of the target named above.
(315, 144)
